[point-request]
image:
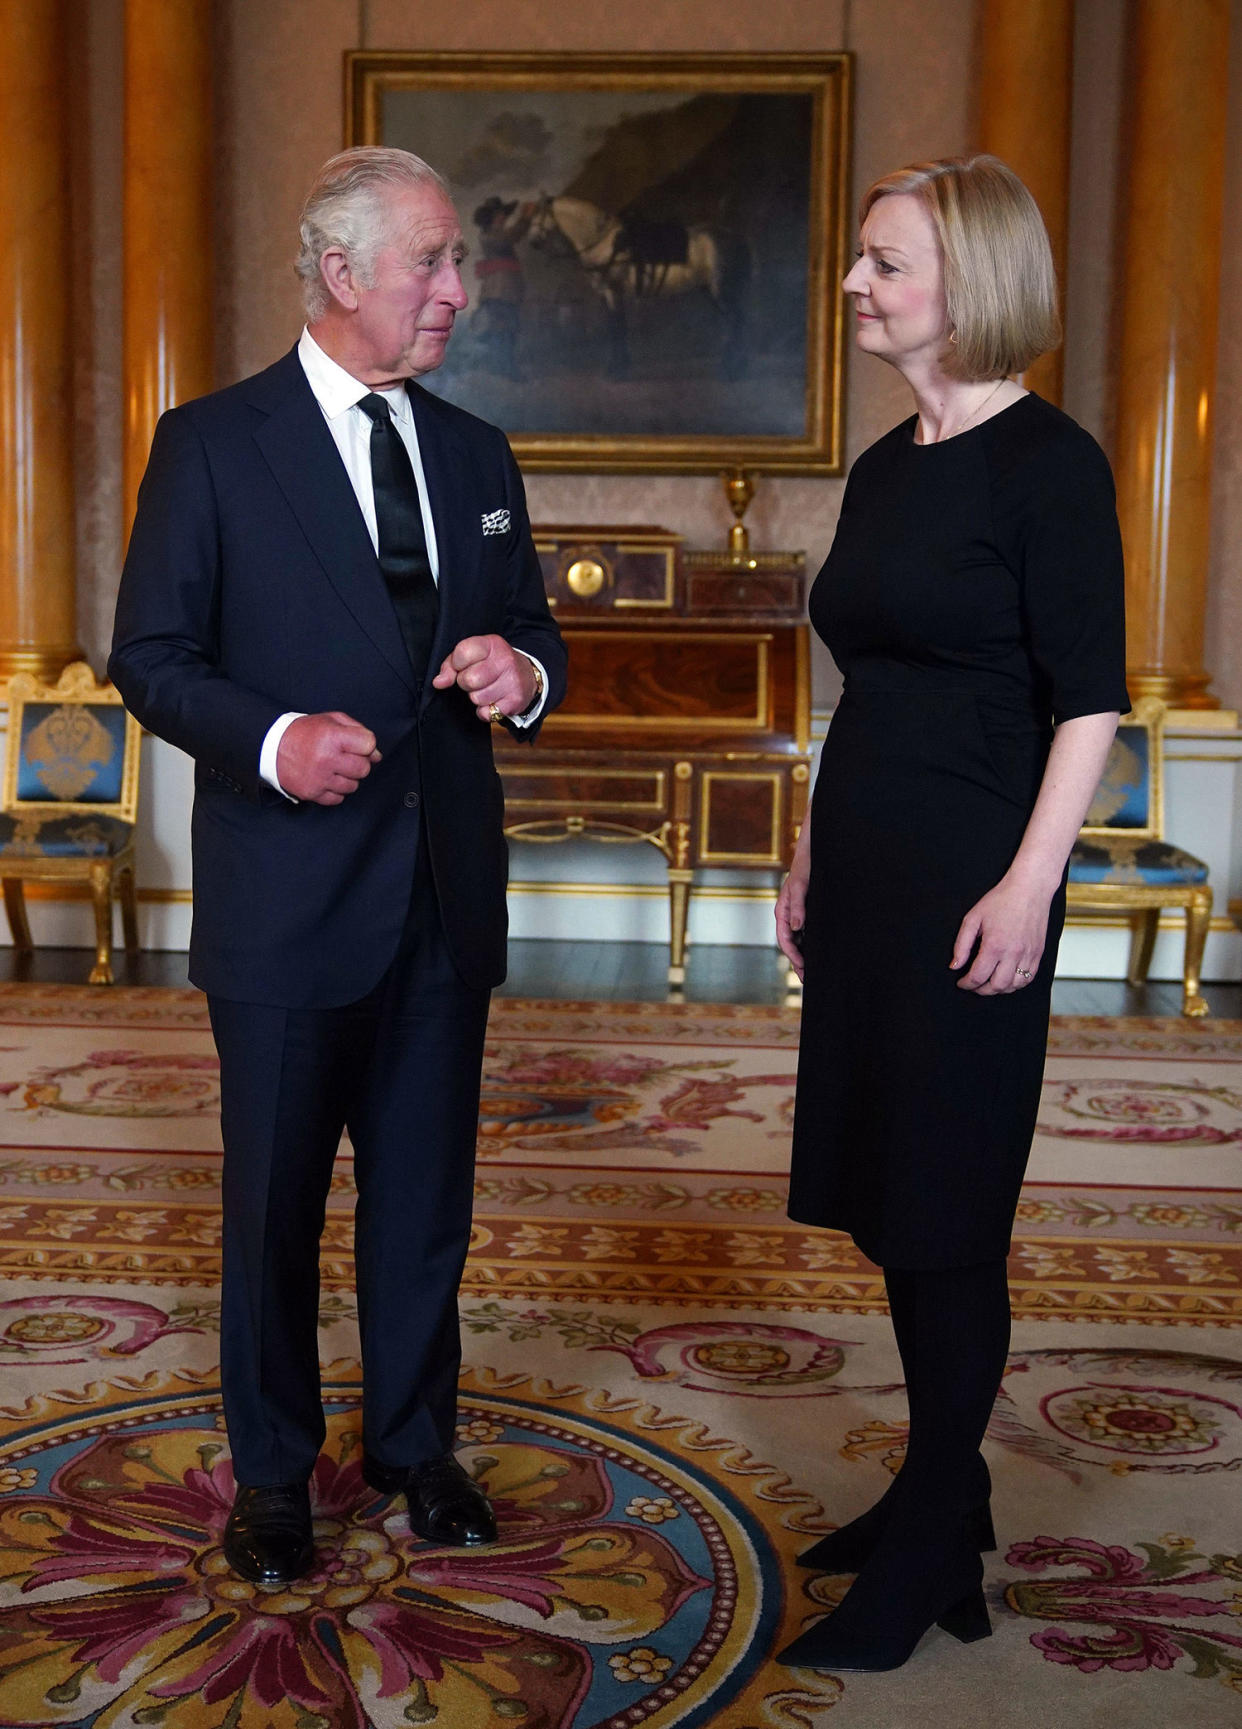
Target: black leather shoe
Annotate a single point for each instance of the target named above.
(268, 1538)
(445, 1505)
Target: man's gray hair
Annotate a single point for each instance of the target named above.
(346, 208)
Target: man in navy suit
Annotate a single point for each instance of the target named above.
(330, 595)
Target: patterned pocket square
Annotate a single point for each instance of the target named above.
(495, 522)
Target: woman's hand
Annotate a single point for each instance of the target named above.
(1010, 925)
(791, 901)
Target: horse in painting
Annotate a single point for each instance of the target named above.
(629, 258)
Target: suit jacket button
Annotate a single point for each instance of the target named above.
(411, 801)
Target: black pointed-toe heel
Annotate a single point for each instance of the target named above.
(825, 1646)
(917, 1579)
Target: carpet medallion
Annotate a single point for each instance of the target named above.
(669, 1388)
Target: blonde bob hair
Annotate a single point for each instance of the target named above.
(1000, 287)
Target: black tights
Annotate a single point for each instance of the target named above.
(952, 1330)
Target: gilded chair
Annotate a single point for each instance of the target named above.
(1121, 860)
(69, 802)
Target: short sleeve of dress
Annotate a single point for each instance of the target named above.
(1056, 518)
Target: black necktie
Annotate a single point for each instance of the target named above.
(402, 539)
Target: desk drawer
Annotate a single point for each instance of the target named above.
(586, 791)
(716, 682)
(743, 591)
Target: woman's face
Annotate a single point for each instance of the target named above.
(898, 284)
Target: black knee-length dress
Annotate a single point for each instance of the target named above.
(973, 596)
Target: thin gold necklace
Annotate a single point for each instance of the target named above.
(973, 416)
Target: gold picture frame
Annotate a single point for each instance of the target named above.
(657, 240)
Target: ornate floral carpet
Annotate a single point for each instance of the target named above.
(667, 1387)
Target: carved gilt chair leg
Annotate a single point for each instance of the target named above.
(101, 895)
(1198, 920)
(128, 892)
(15, 907)
(1143, 926)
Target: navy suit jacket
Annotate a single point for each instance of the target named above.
(250, 588)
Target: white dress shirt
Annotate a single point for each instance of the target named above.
(338, 394)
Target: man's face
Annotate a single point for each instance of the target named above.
(404, 319)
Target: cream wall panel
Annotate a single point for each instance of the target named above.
(279, 115)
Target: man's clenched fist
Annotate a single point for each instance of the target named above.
(322, 757)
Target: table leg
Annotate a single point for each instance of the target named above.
(678, 912)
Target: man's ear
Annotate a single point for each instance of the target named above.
(338, 277)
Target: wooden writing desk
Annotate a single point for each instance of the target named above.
(687, 720)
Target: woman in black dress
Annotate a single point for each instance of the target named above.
(973, 601)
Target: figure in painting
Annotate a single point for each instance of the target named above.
(497, 317)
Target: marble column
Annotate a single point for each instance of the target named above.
(168, 259)
(1025, 87)
(1170, 279)
(38, 601)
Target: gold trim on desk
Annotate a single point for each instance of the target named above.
(728, 562)
(670, 569)
(708, 858)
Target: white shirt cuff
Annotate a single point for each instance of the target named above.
(536, 709)
(267, 755)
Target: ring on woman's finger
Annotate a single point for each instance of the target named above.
(1023, 974)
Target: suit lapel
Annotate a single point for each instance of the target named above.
(447, 467)
(301, 454)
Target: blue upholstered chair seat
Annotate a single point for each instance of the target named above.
(74, 836)
(69, 803)
(1135, 860)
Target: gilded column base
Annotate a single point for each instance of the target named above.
(1175, 690)
(46, 664)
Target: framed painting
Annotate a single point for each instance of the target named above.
(656, 248)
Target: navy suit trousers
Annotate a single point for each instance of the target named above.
(400, 1070)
